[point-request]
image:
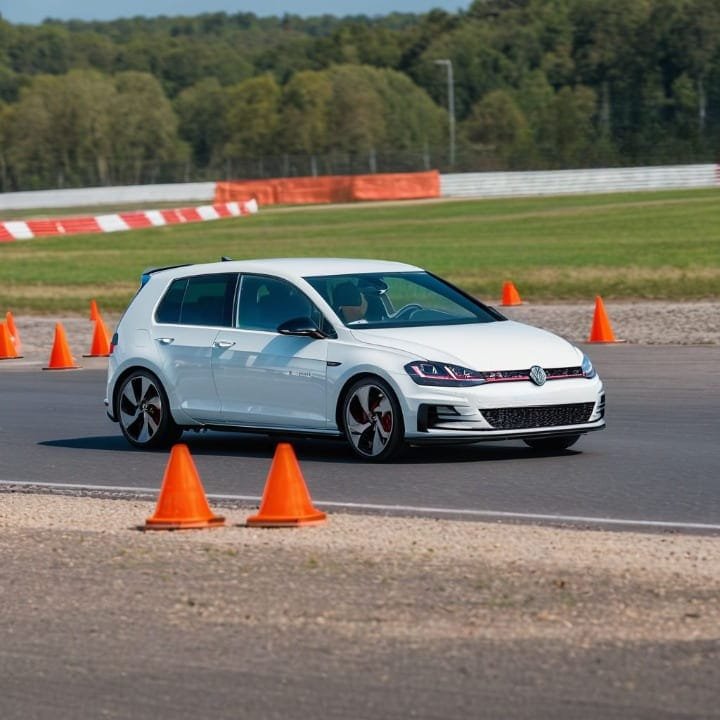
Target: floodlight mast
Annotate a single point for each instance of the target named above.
(451, 105)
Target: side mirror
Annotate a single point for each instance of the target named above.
(301, 327)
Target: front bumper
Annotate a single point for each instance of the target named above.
(504, 411)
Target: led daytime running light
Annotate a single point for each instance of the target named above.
(434, 373)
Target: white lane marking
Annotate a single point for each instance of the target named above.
(490, 514)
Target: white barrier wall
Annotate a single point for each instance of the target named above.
(122, 195)
(560, 182)
(486, 184)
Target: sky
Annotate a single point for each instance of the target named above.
(35, 11)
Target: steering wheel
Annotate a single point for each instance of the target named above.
(408, 310)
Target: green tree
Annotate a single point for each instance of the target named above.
(412, 120)
(696, 36)
(607, 36)
(60, 131)
(252, 117)
(201, 110)
(304, 119)
(144, 128)
(498, 127)
(570, 126)
(357, 121)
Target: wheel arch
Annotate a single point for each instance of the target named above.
(181, 420)
(120, 379)
(352, 379)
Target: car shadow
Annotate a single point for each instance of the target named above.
(315, 450)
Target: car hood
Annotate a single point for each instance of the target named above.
(504, 345)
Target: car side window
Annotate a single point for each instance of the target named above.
(200, 300)
(265, 303)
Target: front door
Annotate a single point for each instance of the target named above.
(263, 378)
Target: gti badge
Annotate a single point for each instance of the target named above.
(537, 375)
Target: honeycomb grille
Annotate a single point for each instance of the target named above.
(537, 417)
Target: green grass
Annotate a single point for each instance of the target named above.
(663, 245)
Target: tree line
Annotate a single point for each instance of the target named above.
(537, 84)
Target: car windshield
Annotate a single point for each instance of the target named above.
(407, 299)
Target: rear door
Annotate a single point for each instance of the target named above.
(187, 321)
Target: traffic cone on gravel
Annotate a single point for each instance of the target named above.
(601, 330)
(100, 346)
(10, 322)
(7, 346)
(510, 295)
(182, 504)
(60, 356)
(286, 500)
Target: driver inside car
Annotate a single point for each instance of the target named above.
(351, 303)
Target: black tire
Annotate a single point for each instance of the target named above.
(143, 412)
(552, 444)
(372, 420)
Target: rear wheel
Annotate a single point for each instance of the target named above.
(144, 412)
(372, 420)
(552, 444)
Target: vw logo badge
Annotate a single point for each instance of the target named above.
(537, 375)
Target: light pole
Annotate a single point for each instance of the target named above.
(451, 105)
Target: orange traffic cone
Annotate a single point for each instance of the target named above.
(100, 346)
(7, 346)
(94, 312)
(601, 330)
(182, 503)
(510, 295)
(10, 321)
(60, 357)
(286, 501)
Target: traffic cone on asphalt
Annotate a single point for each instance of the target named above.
(510, 295)
(100, 346)
(10, 322)
(286, 500)
(60, 356)
(7, 346)
(601, 330)
(182, 504)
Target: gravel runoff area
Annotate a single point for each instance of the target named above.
(613, 624)
(364, 617)
(653, 323)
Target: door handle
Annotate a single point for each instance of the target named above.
(166, 340)
(224, 344)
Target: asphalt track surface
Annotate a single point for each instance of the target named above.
(658, 462)
(656, 466)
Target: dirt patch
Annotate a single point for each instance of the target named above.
(414, 579)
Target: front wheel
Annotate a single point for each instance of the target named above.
(552, 444)
(144, 412)
(372, 420)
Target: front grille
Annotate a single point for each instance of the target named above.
(561, 373)
(536, 417)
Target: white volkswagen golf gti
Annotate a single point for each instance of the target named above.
(380, 353)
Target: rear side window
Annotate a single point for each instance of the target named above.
(200, 300)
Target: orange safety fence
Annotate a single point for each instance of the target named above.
(331, 188)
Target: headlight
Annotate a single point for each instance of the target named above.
(587, 367)
(443, 374)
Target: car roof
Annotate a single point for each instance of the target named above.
(296, 267)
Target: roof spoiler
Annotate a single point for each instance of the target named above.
(147, 274)
(149, 271)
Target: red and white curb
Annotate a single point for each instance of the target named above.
(28, 229)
